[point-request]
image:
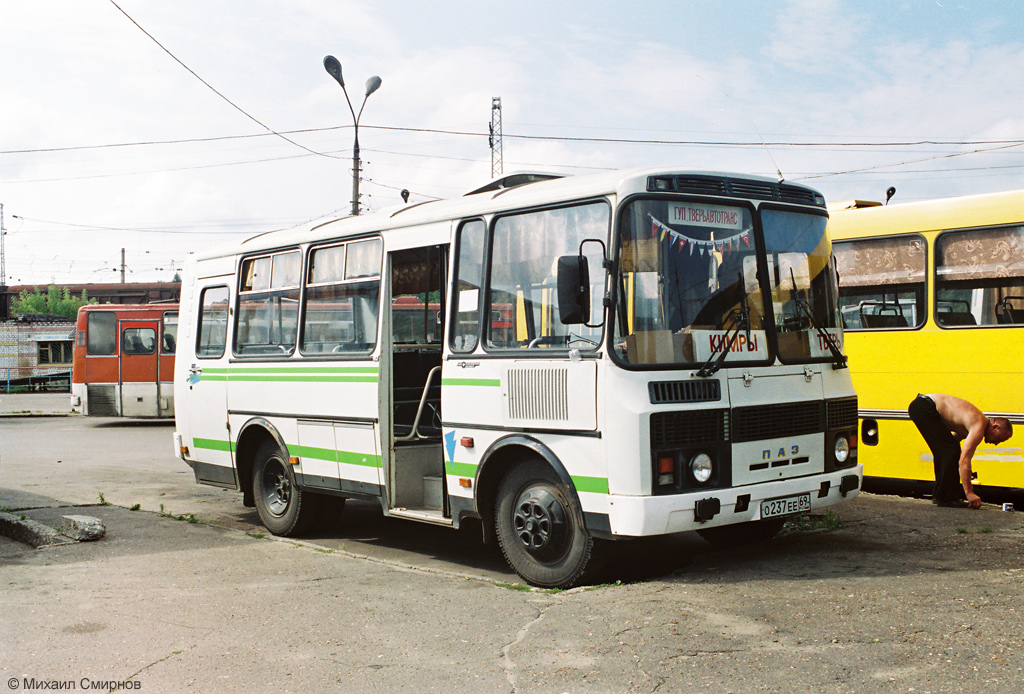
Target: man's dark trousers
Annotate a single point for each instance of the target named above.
(944, 446)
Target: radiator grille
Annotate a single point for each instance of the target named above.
(538, 393)
(775, 421)
(685, 391)
(738, 188)
(681, 429)
(102, 400)
(841, 414)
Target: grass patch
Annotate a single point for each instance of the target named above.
(983, 530)
(257, 534)
(829, 521)
(135, 507)
(103, 499)
(188, 517)
(520, 587)
(599, 586)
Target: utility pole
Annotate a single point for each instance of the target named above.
(495, 139)
(3, 268)
(122, 266)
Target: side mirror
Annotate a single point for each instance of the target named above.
(573, 289)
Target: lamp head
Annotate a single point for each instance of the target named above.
(372, 84)
(333, 67)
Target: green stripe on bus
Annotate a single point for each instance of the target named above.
(593, 485)
(303, 370)
(488, 382)
(461, 469)
(345, 457)
(295, 378)
(364, 459)
(213, 444)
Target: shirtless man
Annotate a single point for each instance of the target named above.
(944, 421)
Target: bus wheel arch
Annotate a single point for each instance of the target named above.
(528, 498)
(497, 460)
(251, 436)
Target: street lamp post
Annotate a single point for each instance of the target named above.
(333, 67)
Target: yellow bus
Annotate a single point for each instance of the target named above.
(932, 301)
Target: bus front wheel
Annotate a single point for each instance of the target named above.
(539, 527)
(283, 507)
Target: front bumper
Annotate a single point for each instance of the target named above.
(636, 516)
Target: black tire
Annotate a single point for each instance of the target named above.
(283, 508)
(740, 534)
(540, 527)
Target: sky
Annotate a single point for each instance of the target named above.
(162, 128)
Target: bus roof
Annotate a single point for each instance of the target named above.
(988, 209)
(493, 197)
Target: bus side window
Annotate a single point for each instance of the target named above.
(882, 282)
(465, 334)
(268, 305)
(523, 291)
(342, 298)
(213, 323)
(170, 332)
(138, 341)
(101, 333)
(979, 277)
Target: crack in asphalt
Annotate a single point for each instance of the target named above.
(507, 662)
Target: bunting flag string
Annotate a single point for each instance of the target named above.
(661, 231)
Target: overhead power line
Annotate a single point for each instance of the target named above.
(215, 91)
(555, 138)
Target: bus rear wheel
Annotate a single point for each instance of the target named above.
(283, 507)
(540, 527)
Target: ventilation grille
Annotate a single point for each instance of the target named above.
(538, 394)
(703, 390)
(776, 421)
(681, 429)
(102, 400)
(736, 188)
(841, 414)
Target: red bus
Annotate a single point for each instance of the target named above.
(124, 360)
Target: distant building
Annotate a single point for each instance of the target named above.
(36, 350)
(109, 293)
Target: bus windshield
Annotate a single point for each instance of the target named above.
(803, 285)
(687, 278)
(688, 285)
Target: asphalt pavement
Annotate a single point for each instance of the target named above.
(885, 595)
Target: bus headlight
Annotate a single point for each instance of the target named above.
(842, 450)
(701, 468)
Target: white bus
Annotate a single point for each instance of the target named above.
(568, 360)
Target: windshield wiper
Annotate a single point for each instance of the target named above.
(838, 358)
(740, 320)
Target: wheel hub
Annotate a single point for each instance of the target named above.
(540, 523)
(277, 488)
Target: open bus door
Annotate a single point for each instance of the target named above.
(140, 368)
(411, 383)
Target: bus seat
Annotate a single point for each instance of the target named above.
(884, 320)
(1010, 316)
(955, 318)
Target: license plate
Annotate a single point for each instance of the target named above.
(786, 506)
